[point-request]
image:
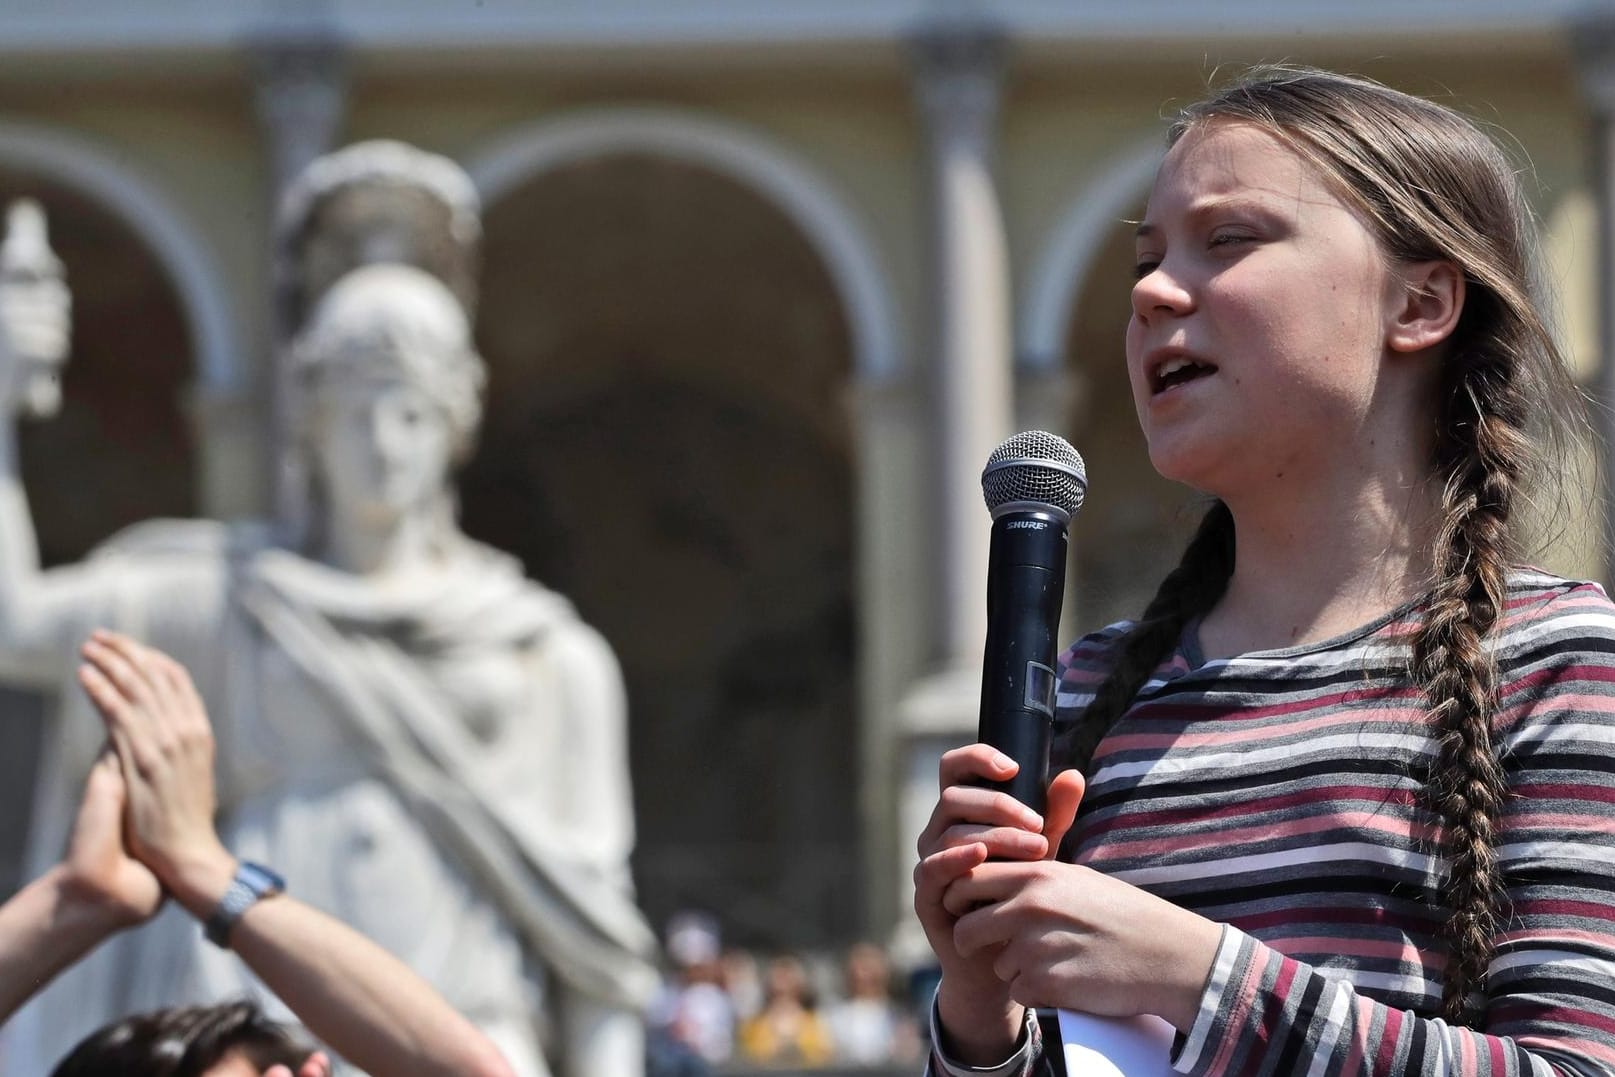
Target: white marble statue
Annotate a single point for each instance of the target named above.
(424, 742)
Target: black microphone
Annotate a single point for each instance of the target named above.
(1033, 484)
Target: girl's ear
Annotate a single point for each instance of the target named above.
(1432, 298)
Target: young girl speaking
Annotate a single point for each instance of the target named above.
(1348, 784)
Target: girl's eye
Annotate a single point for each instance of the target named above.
(1224, 239)
(1145, 267)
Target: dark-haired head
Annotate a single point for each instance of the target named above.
(185, 1042)
(1431, 186)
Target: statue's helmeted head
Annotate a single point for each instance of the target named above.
(393, 321)
(388, 392)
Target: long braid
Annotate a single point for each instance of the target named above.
(1190, 589)
(1483, 452)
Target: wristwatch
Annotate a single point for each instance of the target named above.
(252, 883)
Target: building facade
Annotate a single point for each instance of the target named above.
(763, 285)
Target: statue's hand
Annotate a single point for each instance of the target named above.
(35, 316)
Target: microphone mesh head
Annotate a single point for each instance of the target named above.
(1035, 466)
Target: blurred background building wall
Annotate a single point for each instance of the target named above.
(763, 284)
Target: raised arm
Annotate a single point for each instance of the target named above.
(38, 611)
(348, 991)
(96, 890)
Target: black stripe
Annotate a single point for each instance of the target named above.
(1295, 1041)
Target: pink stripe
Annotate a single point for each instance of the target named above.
(1496, 1062)
(1245, 714)
(1388, 1043)
(1140, 816)
(1466, 1051)
(1548, 936)
(1566, 822)
(1584, 1046)
(1244, 998)
(1331, 944)
(1274, 831)
(1591, 910)
(1235, 737)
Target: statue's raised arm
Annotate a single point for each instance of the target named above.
(37, 610)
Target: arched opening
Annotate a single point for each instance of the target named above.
(666, 444)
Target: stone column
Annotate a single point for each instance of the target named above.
(1594, 43)
(958, 70)
(300, 89)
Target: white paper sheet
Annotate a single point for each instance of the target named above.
(1116, 1046)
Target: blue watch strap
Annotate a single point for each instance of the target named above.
(252, 883)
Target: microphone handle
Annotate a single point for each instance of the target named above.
(1025, 588)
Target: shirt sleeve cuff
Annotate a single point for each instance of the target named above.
(1203, 1035)
(1013, 1066)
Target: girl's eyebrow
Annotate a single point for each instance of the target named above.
(1205, 208)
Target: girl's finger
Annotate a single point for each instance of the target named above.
(992, 885)
(934, 874)
(974, 763)
(976, 804)
(318, 1065)
(1065, 796)
(1002, 842)
(978, 929)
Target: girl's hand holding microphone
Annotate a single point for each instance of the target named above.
(971, 825)
(1014, 928)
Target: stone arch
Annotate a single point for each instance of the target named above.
(190, 263)
(667, 442)
(1081, 233)
(805, 197)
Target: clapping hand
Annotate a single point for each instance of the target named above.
(98, 869)
(160, 731)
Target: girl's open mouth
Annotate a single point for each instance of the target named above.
(1179, 370)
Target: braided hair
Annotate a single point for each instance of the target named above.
(1432, 187)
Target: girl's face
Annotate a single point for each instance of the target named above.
(382, 444)
(1259, 318)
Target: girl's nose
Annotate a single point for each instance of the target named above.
(1161, 291)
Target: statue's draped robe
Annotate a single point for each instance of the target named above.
(441, 765)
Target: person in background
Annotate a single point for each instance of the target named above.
(787, 1031)
(145, 833)
(694, 1008)
(866, 1026)
(742, 981)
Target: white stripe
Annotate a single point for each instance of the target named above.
(1579, 851)
(1357, 851)
(1543, 728)
(1183, 762)
(1222, 971)
(1548, 957)
(1558, 623)
(1333, 1023)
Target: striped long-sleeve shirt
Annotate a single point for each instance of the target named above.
(1278, 793)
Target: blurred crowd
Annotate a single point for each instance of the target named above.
(729, 1007)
